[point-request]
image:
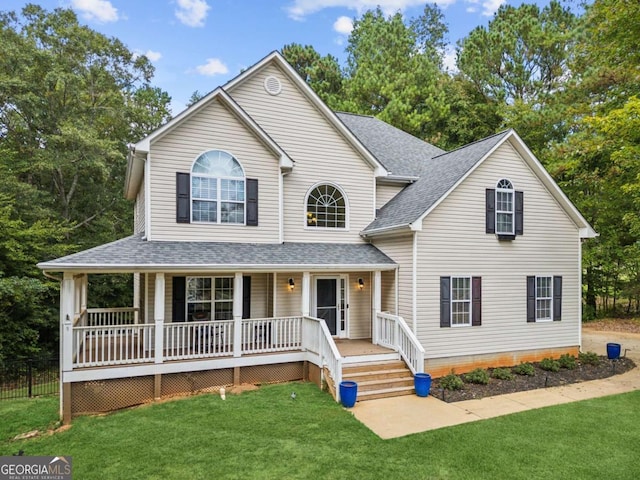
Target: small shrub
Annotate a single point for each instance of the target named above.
(478, 375)
(525, 368)
(589, 358)
(451, 382)
(502, 374)
(567, 361)
(550, 365)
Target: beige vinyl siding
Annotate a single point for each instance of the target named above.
(139, 211)
(360, 302)
(400, 250)
(288, 302)
(384, 193)
(320, 153)
(388, 291)
(453, 242)
(260, 286)
(213, 127)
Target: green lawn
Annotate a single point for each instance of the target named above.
(265, 434)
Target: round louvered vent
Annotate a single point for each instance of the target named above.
(272, 85)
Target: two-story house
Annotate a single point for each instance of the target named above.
(278, 240)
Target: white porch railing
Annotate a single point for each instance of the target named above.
(392, 331)
(266, 335)
(117, 345)
(111, 316)
(185, 340)
(317, 339)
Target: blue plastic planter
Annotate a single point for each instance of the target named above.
(348, 393)
(422, 384)
(613, 351)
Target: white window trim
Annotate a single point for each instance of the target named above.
(452, 301)
(213, 300)
(218, 192)
(550, 298)
(512, 212)
(347, 209)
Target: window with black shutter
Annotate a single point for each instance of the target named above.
(460, 301)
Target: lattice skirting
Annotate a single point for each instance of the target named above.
(100, 396)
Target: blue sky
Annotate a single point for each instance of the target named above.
(200, 44)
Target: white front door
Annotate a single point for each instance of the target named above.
(330, 303)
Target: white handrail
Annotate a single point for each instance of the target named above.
(186, 340)
(109, 317)
(393, 332)
(322, 344)
(264, 335)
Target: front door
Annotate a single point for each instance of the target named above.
(330, 303)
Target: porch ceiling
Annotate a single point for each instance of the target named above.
(136, 254)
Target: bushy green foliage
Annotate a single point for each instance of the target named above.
(525, 368)
(550, 365)
(479, 375)
(451, 382)
(589, 358)
(502, 373)
(567, 361)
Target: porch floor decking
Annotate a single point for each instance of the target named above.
(357, 347)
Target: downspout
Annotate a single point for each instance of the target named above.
(414, 286)
(147, 196)
(281, 208)
(579, 293)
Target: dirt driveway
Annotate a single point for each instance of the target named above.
(596, 341)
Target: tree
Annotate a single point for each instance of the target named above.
(71, 100)
(321, 73)
(393, 71)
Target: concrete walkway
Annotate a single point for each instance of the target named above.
(400, 416)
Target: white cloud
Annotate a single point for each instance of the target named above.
(212, 67)
(491, 6)
(153, 56)
(98, 10)
(449, 59)
(192, 12)
(301, 8)
(343, 25)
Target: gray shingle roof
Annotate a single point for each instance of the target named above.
(400, 152)
(135, 253)
(437, 176)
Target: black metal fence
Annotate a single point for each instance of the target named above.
(29, 378)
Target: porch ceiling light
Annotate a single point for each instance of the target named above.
(292, 284)
(360, 283)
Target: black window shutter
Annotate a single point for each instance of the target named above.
(476, 301)
(179, 299)
(519, 213)
(183, 197)
(246, 296)
(531, 299)
(491, 210)
(445, 301)
(557, 299)
(252, 202)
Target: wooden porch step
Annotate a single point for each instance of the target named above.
(385, 383)
(377, 374)
(384, 393)
(370, 366)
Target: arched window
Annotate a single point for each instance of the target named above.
(217, 189)
(326, 207)
(504, 208)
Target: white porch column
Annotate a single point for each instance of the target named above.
(77, 294)
(377, 304)
(237, 314)
(159, 316)
(306, 294)
(67, 307)
(136, 297)
(84, 292)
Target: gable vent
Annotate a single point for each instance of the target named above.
(272, 85)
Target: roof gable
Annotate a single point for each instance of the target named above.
(138, 152)
(443, 173)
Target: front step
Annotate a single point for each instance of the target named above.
(380, 379)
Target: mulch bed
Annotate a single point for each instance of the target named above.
(541, 379)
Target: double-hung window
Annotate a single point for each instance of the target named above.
(504, 208)
(460, 301)
(209, 298)
(544, 298)
(217, 189)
